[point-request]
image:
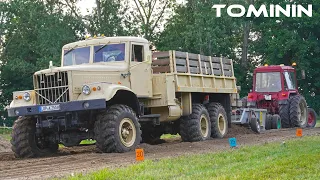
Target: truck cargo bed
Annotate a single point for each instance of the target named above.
(195, 72)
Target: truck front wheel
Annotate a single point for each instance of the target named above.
(196, 126)
(25, 142)
(219, 121)
(117, 130)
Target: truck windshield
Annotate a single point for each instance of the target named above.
(268, 82)
(109, 53)
(290, 80)
(76, 56)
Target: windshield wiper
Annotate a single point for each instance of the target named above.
(101, 48)
(70, 50)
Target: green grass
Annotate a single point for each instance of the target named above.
(169, 136)
(318, 123)
(296, 159)
(5, 133)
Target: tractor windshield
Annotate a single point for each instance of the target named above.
(268, 82)
(290, 80)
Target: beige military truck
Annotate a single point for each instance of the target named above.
(117, 91)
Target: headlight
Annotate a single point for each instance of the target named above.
(86, 90)
(27, 96)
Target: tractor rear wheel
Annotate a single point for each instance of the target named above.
(218, 118)
(26, 144)
(284, 112)
(312, 118)
(298, 111)
(276, 122)
(117, 130)
(196, 126)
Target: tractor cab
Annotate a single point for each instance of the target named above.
(272, 83)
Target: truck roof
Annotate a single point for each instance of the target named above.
(104, 40)
(273, 68)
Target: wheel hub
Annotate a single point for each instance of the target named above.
(204, 126)
(127, 132)
(221, 124)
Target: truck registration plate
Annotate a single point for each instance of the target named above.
(267, 97)
(49, 108)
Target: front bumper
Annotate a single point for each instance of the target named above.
(63, 108)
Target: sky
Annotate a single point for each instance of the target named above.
(86, 4)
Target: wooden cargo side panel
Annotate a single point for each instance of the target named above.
(227, 67)
(161, 62)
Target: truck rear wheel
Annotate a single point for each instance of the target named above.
(298, 111)
(219, 121)
(25, 143)
(284, 112)
(276, 122)
(117, 130)
(196, 126)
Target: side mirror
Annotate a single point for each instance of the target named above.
(303, 74)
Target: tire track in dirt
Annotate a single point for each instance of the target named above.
(85, 159)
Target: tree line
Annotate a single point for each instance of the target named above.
(32, 33)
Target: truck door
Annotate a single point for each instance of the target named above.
(140, 69)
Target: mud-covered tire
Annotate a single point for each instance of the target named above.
(284, 112)
(23, 140)
(298, 111)
(196, 126)
(114, 126)
(268, 122)
(276, 122)
(312, 118)
(219, 120)
(255, 125)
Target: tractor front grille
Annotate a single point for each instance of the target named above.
(53, 88)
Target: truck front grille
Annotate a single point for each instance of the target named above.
(51, 89)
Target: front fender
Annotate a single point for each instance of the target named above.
(107, 91)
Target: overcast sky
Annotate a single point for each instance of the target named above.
(86, 4)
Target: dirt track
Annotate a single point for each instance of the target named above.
(84, 159)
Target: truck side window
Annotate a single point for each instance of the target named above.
(137, 53)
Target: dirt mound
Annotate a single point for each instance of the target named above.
(237, 130)
(4, 145)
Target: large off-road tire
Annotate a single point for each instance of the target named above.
(268, 122)
(219, 120)
(196, 126)
(25, 143)
(255, 125)
(117, 130)
(312, 118)
(298, 111)
(276, 122)
(284, 112)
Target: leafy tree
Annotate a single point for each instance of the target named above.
(286, 40)
(34, 34)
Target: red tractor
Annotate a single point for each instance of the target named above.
(275, 89)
